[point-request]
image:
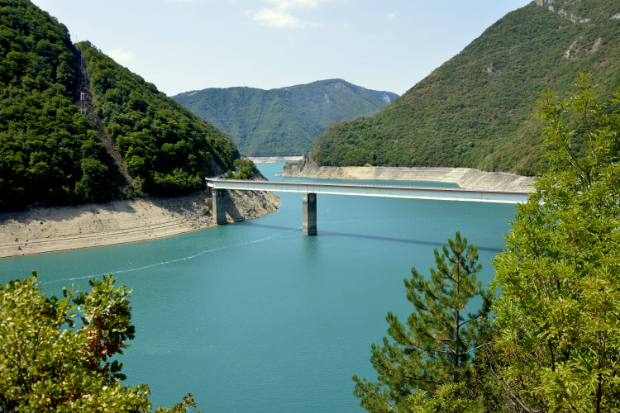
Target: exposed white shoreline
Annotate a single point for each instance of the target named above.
(464, 177)
(50, 229)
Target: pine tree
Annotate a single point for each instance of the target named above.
(431, 355)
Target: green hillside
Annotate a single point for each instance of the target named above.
(476, 109)
(285, 121)
(166, 148)
(50, 153)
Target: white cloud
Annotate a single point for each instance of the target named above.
(280, 16)
(121, 57)
(390, 16)
(280, 20)
(294, 4)
(277, 19)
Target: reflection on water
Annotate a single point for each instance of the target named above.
(255, 317)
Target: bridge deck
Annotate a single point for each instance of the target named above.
(445, 194)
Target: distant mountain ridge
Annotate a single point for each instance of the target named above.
(476, 110)
(283, 121)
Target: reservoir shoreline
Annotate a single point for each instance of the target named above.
(220, 310)
(465, 178)
(273, 159)
(39, 230)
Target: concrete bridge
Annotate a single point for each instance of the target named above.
(310, 190)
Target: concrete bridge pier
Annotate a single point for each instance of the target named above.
(219, 206)
(309, 213)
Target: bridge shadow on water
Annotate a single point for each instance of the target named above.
(360, 236)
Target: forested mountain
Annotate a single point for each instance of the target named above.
(166, 148)
(285, 121)
(476, 109)
(51, 153)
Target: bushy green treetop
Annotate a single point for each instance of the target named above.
(558, 313)
(246, 167)
(48, 365)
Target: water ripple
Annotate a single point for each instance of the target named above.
(191, 257)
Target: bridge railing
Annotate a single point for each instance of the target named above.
(387, 191)
(311, 189)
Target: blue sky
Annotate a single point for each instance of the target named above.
(183, 45)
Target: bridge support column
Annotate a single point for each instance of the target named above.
(310, 214)
(219, 206)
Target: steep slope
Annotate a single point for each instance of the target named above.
(166, 148)
(49, 151)
(476, 109)
(286, 121)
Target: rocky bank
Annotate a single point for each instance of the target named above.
(47, 229)
(465, 178)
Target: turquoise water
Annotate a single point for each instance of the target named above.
(255, 317)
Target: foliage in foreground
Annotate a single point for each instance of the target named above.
(559, 307)
(47, 364)
(553, 343)
(430, 358)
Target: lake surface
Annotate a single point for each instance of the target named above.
(255, 317)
